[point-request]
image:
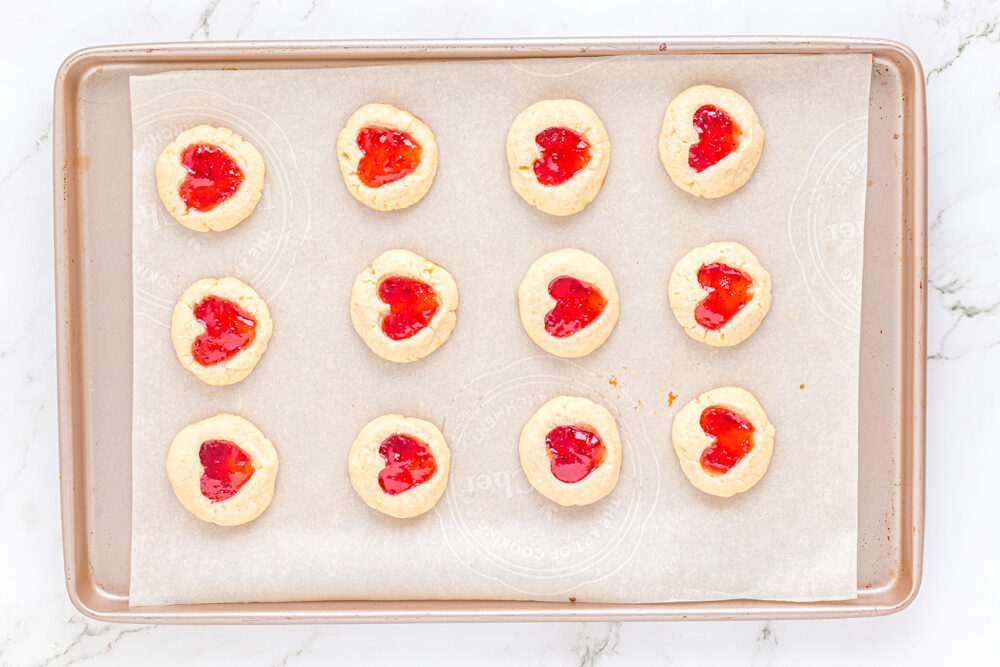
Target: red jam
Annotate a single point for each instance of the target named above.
(718, 136)
(577, 305)
(729, 290)
(412, 304)
(733, 435)
(227, 469)
(408, 463)
(564, 152)
(228, 329)
(574, 452)
(388, 155)
(212, 177)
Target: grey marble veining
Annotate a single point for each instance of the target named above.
(950, 622)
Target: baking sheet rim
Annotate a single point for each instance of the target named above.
(72, 411)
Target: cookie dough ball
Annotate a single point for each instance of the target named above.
(723, 441)
(388, 157)
(220, 329)
(558, 152)
(210, 178)
(570, 451)
(719, 293)
(399, 465)
(403, 306)
(710, 141)
(222, 469)
(568, 302)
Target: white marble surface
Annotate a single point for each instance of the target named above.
(954, 616)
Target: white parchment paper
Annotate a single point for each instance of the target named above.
(655, 538)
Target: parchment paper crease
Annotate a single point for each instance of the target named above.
(655, 538)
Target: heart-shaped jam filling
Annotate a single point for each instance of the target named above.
(227, 469)
(408, 463)
(574, 452)
(228, 329)
(212, 177)
(387, 155)
(563, 153)
(577, 305)
(412, 304)
(718, 136)
(733, 435)
(729, 290)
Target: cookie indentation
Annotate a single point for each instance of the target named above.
(718, 136)
(577, 304)
(412, 304)
(228, 330)
(574, 451)
(408, 463)
(387, 155)
(227, 469)
(212, 177)
(733, 435)
(563, 153)
(729, 290)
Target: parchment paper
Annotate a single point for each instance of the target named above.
(655, 538)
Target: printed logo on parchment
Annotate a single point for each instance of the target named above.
(489, 497)
(824, 241)
(277, 226)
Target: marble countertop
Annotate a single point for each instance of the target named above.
(951, 620)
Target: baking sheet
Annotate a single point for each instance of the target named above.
(655, 538)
